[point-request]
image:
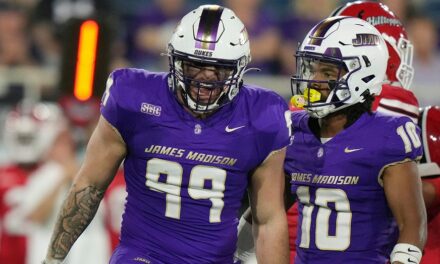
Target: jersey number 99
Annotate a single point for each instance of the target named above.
(172, 186)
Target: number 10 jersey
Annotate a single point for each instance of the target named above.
(343, 212)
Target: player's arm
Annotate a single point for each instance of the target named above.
(403, 190)
(289, 200)
(269, 222)
(105, 151)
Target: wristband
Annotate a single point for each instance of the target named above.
(406, 254)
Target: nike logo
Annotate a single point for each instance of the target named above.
(347, 150)
(411, 261)
(229, 130)
(410, 250)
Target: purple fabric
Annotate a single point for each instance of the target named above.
(165, 143)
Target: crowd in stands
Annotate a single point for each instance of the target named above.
(32, 31)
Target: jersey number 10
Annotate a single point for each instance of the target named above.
(340, 241)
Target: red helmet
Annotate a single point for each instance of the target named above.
(400, 48)
(31, 129)
(430, 124)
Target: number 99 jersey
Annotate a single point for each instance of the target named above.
(186, 176)
(343, 212)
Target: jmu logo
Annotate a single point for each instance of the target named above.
(150, 109)
(366, 40)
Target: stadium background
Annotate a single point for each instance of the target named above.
(39, 45)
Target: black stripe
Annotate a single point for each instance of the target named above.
(321, 29)
(210, 20)
(399, 110)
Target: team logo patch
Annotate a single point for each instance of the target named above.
(350, 150)
(381, 20)
(197, 129)
(151, 109)
(143, 260)
(320, 152)
(366, 40)
(203, 53)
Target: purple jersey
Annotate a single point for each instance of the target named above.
(343, 212)
(185, 176)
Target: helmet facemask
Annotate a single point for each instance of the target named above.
(204, 85)
(405, 72)
(208, 54)
(321, 80)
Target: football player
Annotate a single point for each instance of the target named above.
(395, 97)
(30, 133)
(192, 140)
(356, 177)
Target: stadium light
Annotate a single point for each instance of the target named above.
(86, 60)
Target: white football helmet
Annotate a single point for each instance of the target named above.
(210, 37)
(30, 131)
(356, 52)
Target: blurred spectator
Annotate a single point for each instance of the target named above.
(28, 135)
(12, 240)
(15, 44)
(152, 29)
(114, 203)
(37, 137)
(263, 33)
(426, 84)
(13, 178)
(22, 4)
(46, 45)
(82, 117)
(302, 16)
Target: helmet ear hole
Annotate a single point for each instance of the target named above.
(367, 79)
(366, 60)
